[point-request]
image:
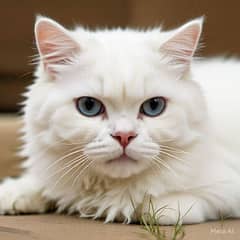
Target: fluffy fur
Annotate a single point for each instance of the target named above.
(188, 157)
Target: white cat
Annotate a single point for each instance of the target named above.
(115, 116)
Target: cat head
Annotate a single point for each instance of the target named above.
(123, 98)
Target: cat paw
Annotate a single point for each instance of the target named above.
(33, 203)
(184, 210)
(16, 198)
(174, 216)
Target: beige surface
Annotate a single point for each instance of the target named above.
(51, 227)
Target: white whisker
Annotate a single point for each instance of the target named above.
(63, 158)
(160, 161)
(173, 149)
(69, 170)
(170, 155)
(68, 164)
(82, 171)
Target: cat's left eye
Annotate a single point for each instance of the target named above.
(89, 106)
(153, 106)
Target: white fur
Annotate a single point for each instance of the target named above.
(199, 128)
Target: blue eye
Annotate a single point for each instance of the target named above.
(89, 106)
(153, 106)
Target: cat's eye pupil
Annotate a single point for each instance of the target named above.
(153, 106)
(154, 103)
(89, 106)
(89, 103)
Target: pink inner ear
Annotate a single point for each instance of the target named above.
(181, 47)
(56, 47)
(46, 33)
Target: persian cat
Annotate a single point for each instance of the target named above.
(118, 116)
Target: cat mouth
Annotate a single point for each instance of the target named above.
(123, 159)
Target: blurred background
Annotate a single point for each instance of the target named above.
(221, 30)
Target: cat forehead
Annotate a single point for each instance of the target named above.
(129, 78)
(117, 82)
(121, 41)
(120, 65)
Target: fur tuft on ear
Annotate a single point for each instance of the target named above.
(180, 47)
(55, 44)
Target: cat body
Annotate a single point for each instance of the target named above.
(166, 130)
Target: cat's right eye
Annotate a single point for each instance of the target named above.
(89, 106)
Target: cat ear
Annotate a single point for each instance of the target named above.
(55, 44)
(179, 49)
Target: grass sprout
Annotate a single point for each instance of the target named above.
(149, 220)
(223, 218)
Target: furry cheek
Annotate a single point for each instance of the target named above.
(173, 128)
(68, 126)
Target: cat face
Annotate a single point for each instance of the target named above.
(123, 98)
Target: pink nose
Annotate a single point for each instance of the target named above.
(124, 137)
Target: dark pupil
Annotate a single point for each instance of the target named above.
(154, 103)
(89, 103)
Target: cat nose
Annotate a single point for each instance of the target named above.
(124, 138)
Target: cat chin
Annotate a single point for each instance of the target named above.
(121, 169)
(124, 159)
